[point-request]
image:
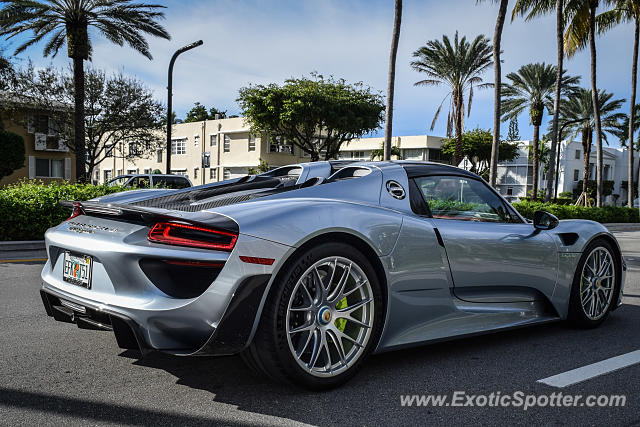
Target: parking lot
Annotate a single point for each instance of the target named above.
(54, 373)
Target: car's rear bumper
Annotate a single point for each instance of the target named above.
(230, 336)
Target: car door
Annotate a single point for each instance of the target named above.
(493, 255)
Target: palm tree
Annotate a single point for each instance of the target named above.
(497, 71)
(391, 78)
(60, 21)
(532, 9)
(458, 65)
(532, 88)
(580, 115)
(626, 11)
(581, 29)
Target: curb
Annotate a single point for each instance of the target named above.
(624, 226)
(25, 245)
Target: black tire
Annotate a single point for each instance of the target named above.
(269, 350)
(577, 315)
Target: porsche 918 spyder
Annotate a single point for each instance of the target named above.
(307, 269)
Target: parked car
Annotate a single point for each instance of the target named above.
(307, 269)
(151, 181)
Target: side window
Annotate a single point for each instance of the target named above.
(461, 198)
(141, 182)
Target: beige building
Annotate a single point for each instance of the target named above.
(47, 156)
(232, 150)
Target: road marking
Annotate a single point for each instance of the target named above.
(2, 261)
(584, 373)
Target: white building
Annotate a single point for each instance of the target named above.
(515, 178)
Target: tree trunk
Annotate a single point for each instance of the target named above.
(555, 144)
(458, 119)
(388, 130)
(634, 80)
(536, 160)
(593, 4)
(78, 118)
(497, 36)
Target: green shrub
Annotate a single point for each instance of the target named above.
(29, 208)
(605, 214)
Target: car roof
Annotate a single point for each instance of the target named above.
(415, 168)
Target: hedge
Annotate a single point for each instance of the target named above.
(29, 208)
(605, 214)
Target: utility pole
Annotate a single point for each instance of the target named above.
(169, 95)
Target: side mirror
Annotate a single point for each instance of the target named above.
(544, 220)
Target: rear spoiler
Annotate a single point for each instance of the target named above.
(150, 216)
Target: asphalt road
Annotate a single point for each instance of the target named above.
(53, 373)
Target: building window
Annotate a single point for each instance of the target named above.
(109, 152)
(107, 176)
(576, 175)
(49, 168)
(509, 191)
(179, 146)
(132, 171)
(196, 140)
(213, 173)
(591, 171)
(134, 149)
(358, 155)
(413, 154)
(159, 156)
(213, 140)
(42, 124)
(577, 154)
(226, 173)
(195, 173)
(119, 172)
(252, 142)
(278, 145)
(227, 143)
(147, 170)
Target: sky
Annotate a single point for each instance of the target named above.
(266, 41)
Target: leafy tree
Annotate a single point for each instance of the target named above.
(458, 65)
(379, 153)
(497, 96)
(262, 168)
(120, 112)
(213, 111)
(476, 147)
(11, 152)
(532, 88)
(316, 114)
(531, 9)
(578, 114)
(626, 11)
(199, 113)
(30, 92)
(119, 21)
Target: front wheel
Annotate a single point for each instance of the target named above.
(321, 319)
(595, 285)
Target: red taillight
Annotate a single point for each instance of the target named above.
(174, 233)
(77, 210)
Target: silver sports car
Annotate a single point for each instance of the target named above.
(307, 269)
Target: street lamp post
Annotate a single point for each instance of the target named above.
(169, 95)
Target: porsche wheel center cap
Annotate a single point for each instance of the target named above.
(324, 316)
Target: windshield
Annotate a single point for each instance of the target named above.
(121, 180)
